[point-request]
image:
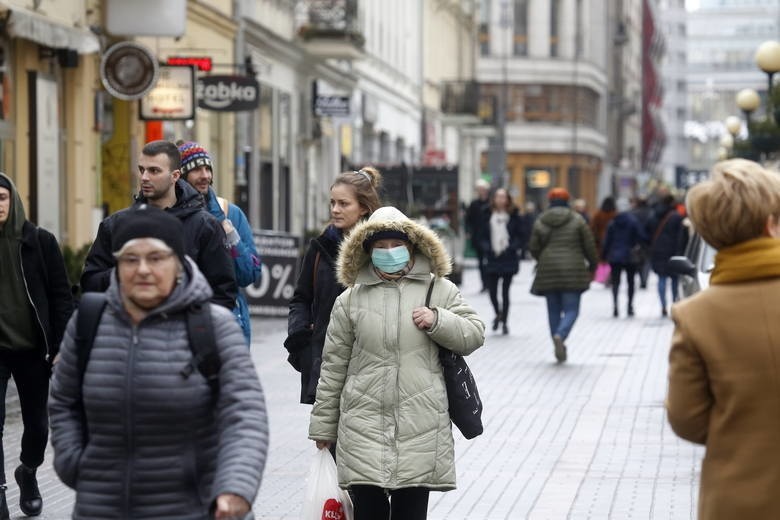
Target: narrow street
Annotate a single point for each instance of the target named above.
(583, 440)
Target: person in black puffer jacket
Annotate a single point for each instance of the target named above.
(353, 198)
(204, 238)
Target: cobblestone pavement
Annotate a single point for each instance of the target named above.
(584, 440)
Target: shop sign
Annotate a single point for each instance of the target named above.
(331, 106)
(228, 93)
(172, 96)
(538, 178)
(203, 63)
(270, 296)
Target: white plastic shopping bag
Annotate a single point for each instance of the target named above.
(324, 499)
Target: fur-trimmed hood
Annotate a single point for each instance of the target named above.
(353, 258)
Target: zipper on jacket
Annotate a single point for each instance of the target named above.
(128, 416)
(35, 309)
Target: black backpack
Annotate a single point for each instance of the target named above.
(199, 329)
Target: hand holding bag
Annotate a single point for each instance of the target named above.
(324, 499)
(465, 406)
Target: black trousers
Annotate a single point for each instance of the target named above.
(31, 375)
(615, 270)
(373, 503)
(501, 308)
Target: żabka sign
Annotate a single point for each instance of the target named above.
(228, 93)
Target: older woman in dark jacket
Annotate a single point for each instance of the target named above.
(141, 433)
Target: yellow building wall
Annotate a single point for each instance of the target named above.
(209, 32)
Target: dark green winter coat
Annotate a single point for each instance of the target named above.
(565, 252)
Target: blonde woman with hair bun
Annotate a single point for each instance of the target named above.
(353, 198)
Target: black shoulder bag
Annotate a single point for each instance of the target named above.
(465, 406)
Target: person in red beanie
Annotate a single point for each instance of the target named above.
(563, 247)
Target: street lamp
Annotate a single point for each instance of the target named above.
(734, 126)
(768, 60)
(748, 101)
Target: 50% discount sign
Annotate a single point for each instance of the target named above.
(279, 253)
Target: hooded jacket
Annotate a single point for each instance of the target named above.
(204, 242)
(45, 281)
(381, 390)
(565, 252)
(315, 293)
(159, 443)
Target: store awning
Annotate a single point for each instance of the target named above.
(21, 23)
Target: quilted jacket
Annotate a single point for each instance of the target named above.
(563, 246)
(381, 391)
(160, 444)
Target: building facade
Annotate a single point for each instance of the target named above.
(723, 36)
(48, 137)
(675, 87)
(542, 69)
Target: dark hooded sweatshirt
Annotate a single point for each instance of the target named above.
(36, 299)
(204, 242)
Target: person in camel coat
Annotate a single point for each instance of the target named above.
(724, 363)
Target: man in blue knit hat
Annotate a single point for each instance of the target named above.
(198, 169)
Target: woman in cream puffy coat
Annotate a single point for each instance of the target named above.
(381, 390)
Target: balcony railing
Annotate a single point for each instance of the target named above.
(460, 97)
(330, 28)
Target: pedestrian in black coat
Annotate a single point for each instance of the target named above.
(621, 247)
(502, 237)
(353, 198)
(475, 218)
(668, 238)
(35, 306)
(204, 239)
(643, 212)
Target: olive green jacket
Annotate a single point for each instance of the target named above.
(565, 252)
(381, 391)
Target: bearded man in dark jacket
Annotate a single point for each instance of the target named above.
(35, 306)
(204, 239)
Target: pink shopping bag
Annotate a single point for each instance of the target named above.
(602, 273)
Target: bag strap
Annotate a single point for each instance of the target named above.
(430, 292)
(91, 306)
(200, 330)
(661, 226)
(314, 272)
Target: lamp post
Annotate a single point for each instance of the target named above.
(748, 101)
(734, 126)
(768, 60)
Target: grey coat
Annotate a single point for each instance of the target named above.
(158, 445)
